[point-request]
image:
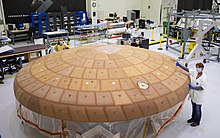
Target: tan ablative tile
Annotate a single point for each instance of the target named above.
(104, 99)
(96, 114)
(121, 98)
(69, 97)
(86, 98)
(78, 113)
(115, 113)
(132, 111)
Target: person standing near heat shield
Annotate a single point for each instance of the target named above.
(197, 92)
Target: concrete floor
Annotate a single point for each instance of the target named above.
(11, 127)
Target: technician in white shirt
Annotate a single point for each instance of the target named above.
(128, 30)
(197, 91)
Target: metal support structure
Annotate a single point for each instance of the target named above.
(188, 16)
(198, 51)
(215, 5)
(185, 38)
(168, 32)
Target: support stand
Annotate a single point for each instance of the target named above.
(161, 39)
(153, 34)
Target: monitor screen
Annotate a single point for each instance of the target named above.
(111, 15)
(19, 25)
(125, 19)
(16, 10)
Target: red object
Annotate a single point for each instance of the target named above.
(170, 41)
(115, 36)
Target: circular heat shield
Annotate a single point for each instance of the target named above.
(98, 83)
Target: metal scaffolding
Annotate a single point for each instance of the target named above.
(187, 16)
(199, 52)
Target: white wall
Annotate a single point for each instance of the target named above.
(121, 6)
(118, 6)
(152, 12)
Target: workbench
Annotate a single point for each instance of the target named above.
(18, 52)
(18, 35)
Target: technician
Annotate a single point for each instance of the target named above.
(197, 91)
(61, 46)
(128, 30)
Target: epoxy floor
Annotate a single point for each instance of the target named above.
(11, 127)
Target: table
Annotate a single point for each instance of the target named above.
(18, 35)
(25, 51)
(55, 34)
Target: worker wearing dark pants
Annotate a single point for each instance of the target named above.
(196, 113)
(197, 92)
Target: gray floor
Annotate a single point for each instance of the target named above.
(11, 127)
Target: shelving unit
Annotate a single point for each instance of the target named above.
(69, 22)
(80, 18)
(58, 21)
(89, 33)
(55, 21)
(40, 22)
